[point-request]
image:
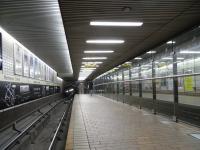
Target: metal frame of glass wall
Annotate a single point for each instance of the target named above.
(166, 82)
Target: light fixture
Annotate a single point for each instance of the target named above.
(151, 52)
(92, 62)
(167, 58)
(171, 42)
(180, 58)
(98, 51)
(120, 24)
(190, 52)
(170, 58)
(137, 58)
(91, 68)
(105, 41)
(84, 73)
(94, 58)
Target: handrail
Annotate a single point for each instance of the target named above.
(155, 78)
(9, 145)
(58, 128)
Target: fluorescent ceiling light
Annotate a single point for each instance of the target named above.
(171, 42)
(99, 51)
(122, 24)
(167, 58)
(180, 58)
(137, 58)
(88, 68)
(92, 62)
(105, 41)
(151, 52)
(94, 58)
(128, 62)
(190, 52)
(170, 58)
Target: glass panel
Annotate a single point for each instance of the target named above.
(120, 83)
(164, 89)
(135, 83)
(188, 50)
(115, 83)
(126, 83)
(146, 73)
(164, 68)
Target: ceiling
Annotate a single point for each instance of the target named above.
(37, 24)
(163, 19)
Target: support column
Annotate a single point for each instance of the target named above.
(140, 86)
(123, 85)
(130, 83)
(154, 87)
(117, 86)
(113, 86)
(175, 87)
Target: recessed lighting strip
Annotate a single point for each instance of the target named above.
(92, 62)
(120, 24)
(102, 41)
(98, 51)
(94, 58)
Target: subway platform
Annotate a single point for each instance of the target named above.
(99, 123)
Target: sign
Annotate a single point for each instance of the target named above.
(188, 83)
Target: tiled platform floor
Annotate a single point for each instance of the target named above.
(97, 123)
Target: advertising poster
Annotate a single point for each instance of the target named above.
(37, 70)
(51, 74)
(47, 73)
(42, 71)
(26, 63)
(188, 84)
(18, 53)
(32, 66)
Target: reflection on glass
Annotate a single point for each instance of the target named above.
(135, 83)
(183, 52)
(126, 82)
(188, 47)
(146, 73)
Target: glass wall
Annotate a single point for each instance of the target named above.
(134, 77)
(126, 81)
(146, 73)
(164, 72)
(187, 48)
(168, 74)
(120, 83)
